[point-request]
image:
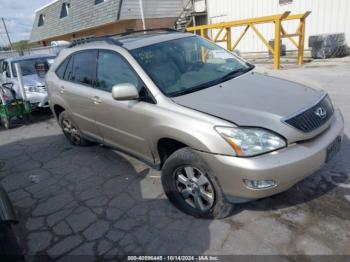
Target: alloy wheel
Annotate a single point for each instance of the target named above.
(195, 187)
(71, 131)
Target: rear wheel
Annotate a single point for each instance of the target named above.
(71, 131)
(191, 186)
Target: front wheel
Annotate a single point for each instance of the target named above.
(190, 185)
(10, 250)
(71, 131)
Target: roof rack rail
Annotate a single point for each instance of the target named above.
(110, 40)
(130, 32)
(106, 39)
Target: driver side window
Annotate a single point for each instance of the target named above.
(6, 69)
(112, 69)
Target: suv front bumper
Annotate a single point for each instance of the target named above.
(286, 166)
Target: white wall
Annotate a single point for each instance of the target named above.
(328, 16)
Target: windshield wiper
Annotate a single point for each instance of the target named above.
(190, 90)
(234, 74)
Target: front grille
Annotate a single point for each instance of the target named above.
(314, 117)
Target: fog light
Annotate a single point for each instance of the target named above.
(259, 184)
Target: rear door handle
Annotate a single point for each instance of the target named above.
(97, 100)
(62, 89)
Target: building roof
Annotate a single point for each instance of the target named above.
(44, 6)
(85, 14)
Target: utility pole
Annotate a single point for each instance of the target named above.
(142, 15)
(7, 33)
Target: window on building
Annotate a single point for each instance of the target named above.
(41, 20)
(285, 2)
(112, 69)
(64, 10)
(99, 1)
(82, 73)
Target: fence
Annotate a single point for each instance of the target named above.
(222, 33)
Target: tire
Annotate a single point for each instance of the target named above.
(9, 247)
(6, 122)
(71, 131)
(185, 171)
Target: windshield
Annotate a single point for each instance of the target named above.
(188, 64)
(30, 66)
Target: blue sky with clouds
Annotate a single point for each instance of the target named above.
(19, 16)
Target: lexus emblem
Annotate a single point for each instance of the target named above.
(321, 112)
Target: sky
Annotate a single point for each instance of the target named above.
(19, 16)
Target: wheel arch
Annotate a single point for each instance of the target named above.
(166, 147)
(58, 109)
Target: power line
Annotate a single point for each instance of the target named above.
(4, 41)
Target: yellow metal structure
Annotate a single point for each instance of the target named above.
(224, 33)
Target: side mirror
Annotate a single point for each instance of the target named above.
(125, 92)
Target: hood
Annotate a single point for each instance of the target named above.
(254, 99)
(34, 80)
(31, 80)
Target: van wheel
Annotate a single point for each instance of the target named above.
(191, 186)
(71, 131)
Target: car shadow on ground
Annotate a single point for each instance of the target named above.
(92, 202)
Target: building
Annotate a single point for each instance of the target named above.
(328, 16)
(72, 19)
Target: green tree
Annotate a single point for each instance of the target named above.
(21, 46)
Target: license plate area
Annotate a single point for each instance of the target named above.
(333, 149)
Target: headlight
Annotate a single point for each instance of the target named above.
(30, 88)
(251, 141)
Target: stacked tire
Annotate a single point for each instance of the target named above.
(328, 46)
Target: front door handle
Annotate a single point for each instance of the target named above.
(96, 100)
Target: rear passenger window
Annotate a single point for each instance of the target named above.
(112, 69)
(84, 67)
(69, 70)
(62, 68)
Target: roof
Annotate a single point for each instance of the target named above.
(138, 40)
(47, 5)
(134, 40)
(85, 14)
(28, 57)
